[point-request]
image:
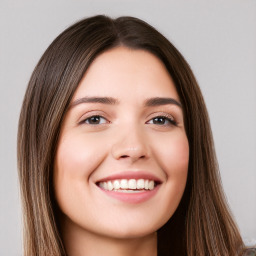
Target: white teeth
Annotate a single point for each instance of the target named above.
(105, 185)
(124, 184)
(132, 184)
(128, 186)
(109, 185)
(131, 191)
(151, 185)
(146, 184)
(140, 184)
(116, 184)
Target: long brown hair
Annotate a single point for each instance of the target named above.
(202, 224)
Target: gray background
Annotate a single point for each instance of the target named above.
(218, 38)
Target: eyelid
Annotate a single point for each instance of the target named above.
(161, 113)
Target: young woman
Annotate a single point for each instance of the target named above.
(115, 150)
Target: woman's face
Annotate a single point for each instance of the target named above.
(122, 157)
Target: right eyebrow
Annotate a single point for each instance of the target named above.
(158, 101)
(102, 100)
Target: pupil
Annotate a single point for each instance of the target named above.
(95, 119)
(159, 120)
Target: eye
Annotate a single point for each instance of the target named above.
(95, 120)
(162, 120)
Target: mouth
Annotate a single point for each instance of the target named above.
(130, 187)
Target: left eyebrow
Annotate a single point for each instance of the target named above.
(161, 101)
(102, 100)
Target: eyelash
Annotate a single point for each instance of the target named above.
(165, 118)
(93, 116)
(168, 118)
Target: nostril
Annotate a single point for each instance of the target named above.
(124, 156)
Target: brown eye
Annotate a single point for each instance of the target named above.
(94, 120)
(159, 120)
(162, 120)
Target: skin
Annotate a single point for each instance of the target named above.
(128, 137)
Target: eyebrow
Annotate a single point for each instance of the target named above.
(102, 100)
(161, 101)
(151, 102)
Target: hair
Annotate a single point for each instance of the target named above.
(202, 224)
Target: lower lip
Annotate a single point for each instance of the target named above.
(132, 198)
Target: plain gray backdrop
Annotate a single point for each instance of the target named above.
(218, 39)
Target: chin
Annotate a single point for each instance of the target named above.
(130, 233)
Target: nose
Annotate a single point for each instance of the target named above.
(130, 144)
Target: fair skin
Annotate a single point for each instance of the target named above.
(125, 122)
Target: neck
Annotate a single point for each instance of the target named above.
(80, 242)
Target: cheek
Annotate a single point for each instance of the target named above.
(173, 155)
(77, 156)
(76, 159)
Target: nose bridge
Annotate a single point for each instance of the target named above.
(130, 143)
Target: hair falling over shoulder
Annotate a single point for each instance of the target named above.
(202, 224)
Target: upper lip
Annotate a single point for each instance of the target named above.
(131, 175)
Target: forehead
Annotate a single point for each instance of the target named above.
(122, 71)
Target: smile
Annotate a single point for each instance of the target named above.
(128, 185)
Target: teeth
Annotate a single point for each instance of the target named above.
(140, 184)
(151, 185)
(132, 184)
(116, 184)
(108, 185)
(124, 184)
(146, 184)
(128, 186)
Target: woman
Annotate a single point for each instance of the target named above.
(115, 149)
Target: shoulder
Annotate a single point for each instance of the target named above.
(250, 252)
